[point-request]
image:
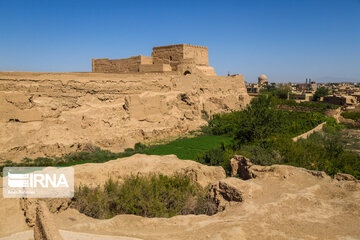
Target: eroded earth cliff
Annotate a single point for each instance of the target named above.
(50, 114)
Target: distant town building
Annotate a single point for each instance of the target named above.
(303, 97)
(303, 92)
(253, 88)
(340, 100)
(308, 86)
(262, 80)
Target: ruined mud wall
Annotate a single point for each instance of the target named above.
(44, 225)
(318, 128)
(126, 65)
(47, 114)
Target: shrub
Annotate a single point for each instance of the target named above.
(313, 106)
(351, 115)
(321, 92)
(260, 155)
(320, 151)
(351, 126)
(213, 157)
(332, 126)
(217, 157)
(148, 196)
(261, 120)
(139, 147)
(283, 91)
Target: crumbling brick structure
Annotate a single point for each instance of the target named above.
(182, 58)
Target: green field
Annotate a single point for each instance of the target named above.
(188, 148)
(183, 148)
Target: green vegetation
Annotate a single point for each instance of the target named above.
(183, 148)
(188, 148)
(283, 91)
(320, 151)
(350, 139)
(351, 126)
(96, 155)
(217, 157)
(262, 120)
(351, 115)
(263, 133)
(306, 106)
(148, 196)
(321, 92)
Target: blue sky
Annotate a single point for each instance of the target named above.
(288, 40)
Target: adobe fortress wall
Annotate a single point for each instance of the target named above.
(177, 54)
(47, 114)
(126, 65)
(181, 58)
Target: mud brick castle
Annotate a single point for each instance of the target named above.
(182, 58)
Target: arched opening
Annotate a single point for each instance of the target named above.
(170, 58)
(187, 72)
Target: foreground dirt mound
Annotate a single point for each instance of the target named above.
(275, 202)
(47, 114)
(281, 202)
(93, 174)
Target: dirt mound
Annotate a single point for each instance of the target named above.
(275, 202)
(281, 202)
(92, 174)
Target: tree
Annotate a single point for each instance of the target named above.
(282, 91)
(321, 92)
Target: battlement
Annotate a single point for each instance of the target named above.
(181, 45)
(179, 58)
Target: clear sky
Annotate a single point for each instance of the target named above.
(288, 40)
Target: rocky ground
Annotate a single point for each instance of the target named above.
(275, 202)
